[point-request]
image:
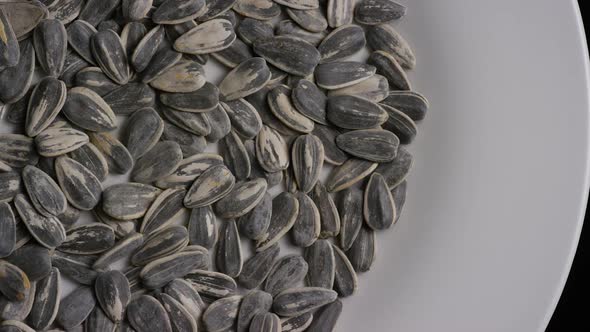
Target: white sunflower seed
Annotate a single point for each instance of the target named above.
(144, 129)
(88, 239)
(222, 314)
(48, 231)
(76, 307)
(146, 314)
(291, 54)
(112, 293)
(212, 185)
(208, 37)
(296, 301)
(285, 208)
(287, 272)
(258, 267)
(352, 112)
(201, 227)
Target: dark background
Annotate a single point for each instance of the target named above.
(573, 311)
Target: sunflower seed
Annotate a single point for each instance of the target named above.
(235, 54)
(180, 318)
(247, 78)
(285, 209)
(228, 257)
(72, 65)
(98, 321)
(131, 35)
(135, 10)
(336, 75)
(371, 144)
(258, 267)
(14, 283)
(130, 97)
(18, 310)
(88, 239)
(112, 293)
(143, 130)
(310, 19)
(45, 102)
(9, 48)
(53, 142)
(160, 244)
(251, 30)
(309, 100)
(345, 279)
(33, 259)
(362, 252)
(279, 100)
(7, 230)
(332, 153)
(222, 314)
(259, 101)
(146, 48)
(256, 171)
(244, 118)
(202, 100)
(160, 161)
(208, 37)
(76, 307)
(320, 260)
(189, 169)
(17, 150)
(79, 184)
(352, 112)
(178, 11)
(299, 4)
(127, 201)
(146, 314)
(293, 302)
(90, 157)
(379, 207)
(340, 12)
(15, 326)
(195, 123)
(254, 224)
(410, 103)
(94, 79)
(290, 28)
(79, 37)
(235, 155)
(120, 250)
(51, 42)
(342, 43)
(243, 198)
(122, 228)
(371, 12)
(266, 322)
(400, 124)
(16, 113)
(212, 285)
(383, 37)
(109, 25)
(287, 272)
(293, 55)
(46, 302)
(257, 9)
(326, 317)
(388, 66)
(307, 226)
(22, 235)
(349, 173)
(110, 55)
(185, 76)
(350, 206)
(97, 115)
(74, 267)
(118, 158)
(297, 323)
(48, 231)
(217, 9)
(254, 303)
(329, 218)
(15, 81)
(166, 207)
(96, 11)
(163, 270)
(44, 193)
(271, 150)
(201, 227)
(307, 153)
(182, 291)
(189, 143)
(212, 185)
(375, 88)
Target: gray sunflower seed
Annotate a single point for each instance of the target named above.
(340, 12)
(112, 293)
(45, 102)
(46, 302)
(217, 8)
(342, 43)
(228, 257)
(271, 150)
(400, 124)
(307, 155)
(53, 142)
(251, 30)
(350, 205)
(163, 211)
(266, 322)
(18, 310)
(94, 79)
(127, 201)
(118, 158)
(371, 12)
(160, 161)
(297, 323)
(110, 55)
(362, 252)
(212, 285)
(79, 36)
(293, 302)
(258, 267)
(410, 103)
(256, 171)
(235, 54)
(195, 123)
(208, 37)
(144, 129)
(326, 317)
(72, 65)
(286, 273)
(376, 145)
(15, 81)
(212, 185)
(132, 275)
(185, 76)
(164, 59)
(146, 314)
(74, 267)
(182, 291)
(88, 239)
(17, 150)
(254, 224)
(76, 307)
(9, 48)
(163, 270)
(243, 198)
(332, 154)
(222, 314)
(33, 259)
(310, 19)
(201, 227)
(122, 228)
(383, 37)
(96, 11)
(160, 244)
(14, 283)
(44, 193)
(388, 66)
(190, 144)
(189, 169)
(98, 321)
(293, 55)
(69, 217)
(90, 157)
(130, 97)
(321, 262)
(244, 118)
(309, 100)
(379, 208)
(80, 186)
(288, 27)
(48, 231)
(120, 250)
(25, 16)
(285, 208)
(131, 35)
(180, 318)
(22, 235)
(244, 80)
(329, 217)
(16, 113)
(299, 4)
(279, 100)
(336, 75)
(7, 230)
(375, 88)
(349, 173)
(109, 25)
(10, 185)
(399, 197)
(352, 112)
(306, 229)
(51, 42)
(135, 10)
(254, 303)
(257, 9)
(178, 11)
(202, 100)
(235, 155)
(345, 279)
(219, 122)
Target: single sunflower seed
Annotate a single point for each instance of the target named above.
(251, 29)
(376, 145)
(222, 314)
(247, 78)
(349, 173)
(253, 225)
(112, 293)
(185, 76)
(51, 41)
(46, 101)
(160, 244)
(372, 12)
(244, 197)
(266, 322)
(212, 185)
(90, 157)
(388, 66)
(350, 208)
(290, 28)
(411, 103)
(313, 20)
(235, 156)
(74, 267)
(400, 124)
(321, 262)
(118, 158)
(204, 99)
(329, 217)
(47, 301)
(307, 227)
(144, 129)
(48, 231)
(263, 10)
(336, 75)
(307, 159)
(341, 43)
(326, 317)
(80, 186)
(244, 118)
(14, 283)
(362, 252)
(160, 161)
(189, 169)
(183, 292)
(17, 150)
(345, 279)
(159, 272)
(254, 303)
(165, 208)
(7, 230)
(228, 256)
(297, 323)
(219, 122)
(296, 301)
(180, 318)
(287, 272)
(53, 142)
(208, 37)
(127, 201)
(146, 314)
(216, 8)
(44, 193)
(110, 55)
(94, 79)
(88, 239)
(135, 10)
(120, 250)
(378, 208)
(293, 55)
(285, 208)
(383, 37)
(201, 227)
(310, 101)
(258, 267)
(271, 150)
(96, 11)
(212, 285)
(15, 81)
(76, 307)
(353, 112)
(178, 11)
(79, 38)
(374, 88)
(130, 97)
(18, 310)
(99, 321)
(340, 12)
(279, 100)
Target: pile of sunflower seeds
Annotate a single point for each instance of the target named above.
(101, 88)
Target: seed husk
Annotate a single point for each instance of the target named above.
(212, 285)
(285, 208)
(290, 54)
(362, 252)
(110, 55)
(259, 101)
(253, 303)
(266, 322)
(310, 19)
(178, 11)
(306, 229)
(336, 75)
(160, 161)
(345, 279)
(94, 79)
(118, 158)
(46, 302)
(44, 193)
(33, 259)
(310, 101)
(96, 11)
(244, 80)
(53, 142)
(17, 310)
(350, 206)
(340, 12)
(279, 100)
(411, 103)
(75, 267)
(98, 321)
(235, 54)
(388, 66)
(14, 283)
(326, 317)
(165, 208)
(51, 42)
(222, 314)
(297, 323)
(121, 249)
(307, 155)
(321, 262)
(9, 48)
(163, 60)
(112, 293)
(352, 112)
(182, 291)
(254, 224)
(256, 171)
(88, 239)
(371, 12)
(202, 100)
(258, 267)
(296, 301)
(127, 201)
(375, 88)
(7, 230)
(201, 227)
(251, 30)
(288, 27)
(376, 145)
(130, 97)
(146, 314)
(349, 173)
(195, 123)
(75, 307)
(131, 35)
(189, 169)
(163, 270)
(190, 144)
(144, 129)
(244, 118)
(332, 153)
(79, 38)
(400, 124)
(329, 217)
(228, 256)
(122, 228)
(383, 37)
(80, 186)
(48, 231)
(235, 156)
(343, 42)
(160, 244)
(180, 319)
(46, 101)
(287, 272)
(17, 150)
(271, 150)
(185, 76)
(208, 37)
(244, 197)
(379, 208)
(15, 81)
(212, 185)
(257, 9)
